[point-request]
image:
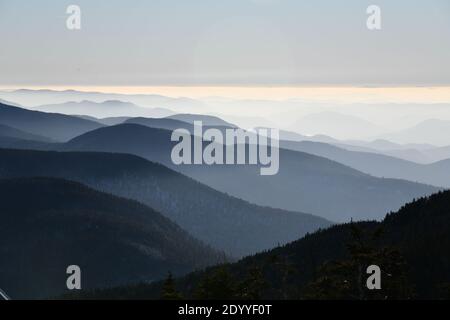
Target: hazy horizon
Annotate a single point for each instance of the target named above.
(236, 42)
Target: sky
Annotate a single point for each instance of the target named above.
(225, 43)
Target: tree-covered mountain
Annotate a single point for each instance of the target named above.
(226, 223)
(410, 246)
(51, 125)
(304, 183)
(49, 224)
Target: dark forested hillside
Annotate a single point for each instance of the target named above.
(49, 224)
(411, 247)
(229, 224)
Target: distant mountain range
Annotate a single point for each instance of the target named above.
(33, 98)
(305, 183)
(49, 224)
(300, 173)
(379, 165)
(413, 152)
(226, 223)
(109, 108)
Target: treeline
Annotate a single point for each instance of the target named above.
(411, 247)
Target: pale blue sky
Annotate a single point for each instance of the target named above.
(223, 42)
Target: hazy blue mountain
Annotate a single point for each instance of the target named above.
(51, 125)
(386, 145)
(378, 165)
(305, 182)
(162, 123)
(336, 125)
(112, 121)
(49, 224)
(440, 153)
(15, 143)
(10, 132)
(246, 122)
(173, 124)
(109, 108)
(207, 120)
(109, 121)
(10, 103)
(432, 131)
(413, 155)
(227, 223)
(419, 153)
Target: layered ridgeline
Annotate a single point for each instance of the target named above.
(379, 165)
(10, 132)
(51, 125)
(226, 223)
(410, 246)
(14, 138)
(304, 183)
(49, 224)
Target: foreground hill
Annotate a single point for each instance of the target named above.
(226, 223)
(51, 125)
(49, 224)
(419, 232)
(304, 183)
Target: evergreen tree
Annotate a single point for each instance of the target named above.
(346, 279)
(218, 285)
(169, 291)
(444, 291)
(253, 286)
